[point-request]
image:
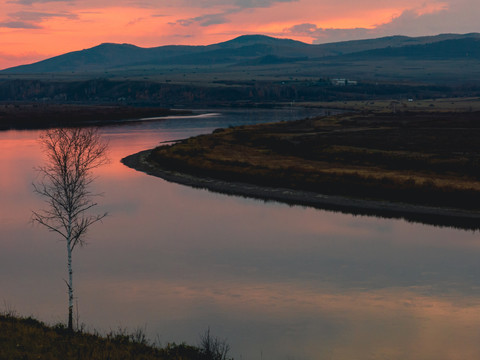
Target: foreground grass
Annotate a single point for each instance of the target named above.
(428, 158)
(28, 338)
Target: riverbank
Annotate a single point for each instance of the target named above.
(422, 166)
(45, 115)
(28, 338)
(424, 214)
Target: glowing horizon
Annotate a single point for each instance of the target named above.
(33, 30)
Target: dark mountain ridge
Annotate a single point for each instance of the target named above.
(441, 50)
(248, 50)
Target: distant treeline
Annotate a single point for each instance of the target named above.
(32, 115)
(231, 93)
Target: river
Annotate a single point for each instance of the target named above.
(276, 281)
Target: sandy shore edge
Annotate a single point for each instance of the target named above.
(416, 213)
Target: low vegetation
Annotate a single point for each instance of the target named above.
(28, 338)
(430, 158)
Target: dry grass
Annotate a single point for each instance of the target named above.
(429, 158)
(27, 338)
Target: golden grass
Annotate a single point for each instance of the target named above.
(427, 158)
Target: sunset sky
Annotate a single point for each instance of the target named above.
(32, 30)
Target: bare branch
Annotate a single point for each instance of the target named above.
(71, 156)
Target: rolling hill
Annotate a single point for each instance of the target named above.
(254, 69)
(252, 50)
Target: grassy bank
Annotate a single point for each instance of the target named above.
(45, 115)
(28, 338)
(427, 158)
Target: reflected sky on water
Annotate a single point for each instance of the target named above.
(278, 281)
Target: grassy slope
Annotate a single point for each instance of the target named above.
(27, 338)
(422, 158)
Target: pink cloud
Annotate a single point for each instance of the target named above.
(425, 20)
(15, 24)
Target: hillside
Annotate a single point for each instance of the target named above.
(243, 51)
(442, 50)
(254, 70)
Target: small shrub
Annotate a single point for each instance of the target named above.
(212, 347)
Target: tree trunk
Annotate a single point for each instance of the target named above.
(71, 156)
(70, 287)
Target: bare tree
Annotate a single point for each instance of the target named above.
(71, 155)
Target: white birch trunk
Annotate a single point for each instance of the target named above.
(71, 156)
(70, 279)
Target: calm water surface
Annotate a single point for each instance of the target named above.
(278, 282)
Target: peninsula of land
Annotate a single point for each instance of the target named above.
(423, 166)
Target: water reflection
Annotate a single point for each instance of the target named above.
(279, 282)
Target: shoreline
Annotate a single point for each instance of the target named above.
(44, 115)
(437, 216)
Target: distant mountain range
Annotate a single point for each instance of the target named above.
(255, 51)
